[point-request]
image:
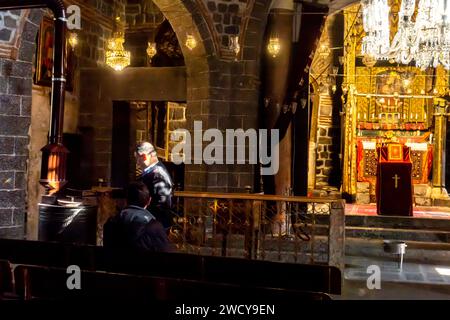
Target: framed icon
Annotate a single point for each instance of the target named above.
(44, 57)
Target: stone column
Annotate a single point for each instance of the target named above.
(276, 73)
(336, 236)
(440, 133)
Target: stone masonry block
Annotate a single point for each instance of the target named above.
(422, 201)
(10, 199)
(7, 145)
(362, 187)
(362, 198)
(14, 125)
(6, 217)
(9, 105)
(7, 180)
(422, 190)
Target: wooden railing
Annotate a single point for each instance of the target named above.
(261, 227)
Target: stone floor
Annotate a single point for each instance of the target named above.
(418, 211)
(414, 281)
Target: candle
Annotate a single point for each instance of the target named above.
(359, 116)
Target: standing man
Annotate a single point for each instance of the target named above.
(158, 181)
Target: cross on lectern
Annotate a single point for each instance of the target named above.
(396, 178)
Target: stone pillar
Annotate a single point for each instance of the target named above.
(276, 73)
(440, 134)
(336, 240)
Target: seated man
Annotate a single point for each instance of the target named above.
(135, 227)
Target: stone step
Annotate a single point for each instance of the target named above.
(436, 236)
(416, 251)
(294, 250)
(389, 222)
(387, 227)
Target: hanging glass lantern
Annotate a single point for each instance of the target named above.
(73, 40)
(151, 49)
(274, 46)
(234, 44)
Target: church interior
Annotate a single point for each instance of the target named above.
(357, 92)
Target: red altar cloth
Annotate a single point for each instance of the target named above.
(394, 182)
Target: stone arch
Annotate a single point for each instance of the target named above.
(185, 17)
(253, 30)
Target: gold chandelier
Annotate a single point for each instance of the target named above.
(116, 56)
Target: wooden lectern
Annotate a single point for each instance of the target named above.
(394, 181)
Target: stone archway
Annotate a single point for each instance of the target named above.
(187, 19)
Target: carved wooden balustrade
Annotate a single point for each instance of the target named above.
(263, 227)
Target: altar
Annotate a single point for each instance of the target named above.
(388, 102)
(394, 104)
(394, 180)
(421, 158)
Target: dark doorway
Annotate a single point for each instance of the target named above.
(121, 157)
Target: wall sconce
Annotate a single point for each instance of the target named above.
(274, 46)
(191, 42)
(151, 49)
(73, 40)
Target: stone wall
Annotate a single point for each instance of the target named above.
(97, 24)
(327, 149)
(326, 117)
(222, 89)
(227, 17)
(11, 25)
(142, 14)
(15, 116)
(102, 86)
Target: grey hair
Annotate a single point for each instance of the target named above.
(145, 147)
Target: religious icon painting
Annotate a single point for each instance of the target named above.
(44, 57)
(395, 152)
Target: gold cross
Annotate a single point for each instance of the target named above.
(396, 178)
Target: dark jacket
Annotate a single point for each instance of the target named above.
(135, 228)
(160, 185)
